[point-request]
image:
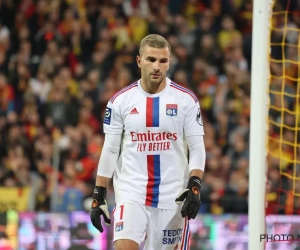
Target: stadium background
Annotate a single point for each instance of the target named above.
(61, 61)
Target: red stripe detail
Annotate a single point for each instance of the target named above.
(149, 112)
(150, 184)
(183, 235)
(120, 93)
(121, 213)
(113, 212)
(173, 86)
(184, 88)
(189, 240)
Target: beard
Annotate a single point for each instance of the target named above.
(155, 79)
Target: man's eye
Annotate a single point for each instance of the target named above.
(151, 59)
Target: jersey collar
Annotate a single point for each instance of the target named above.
(168, 81)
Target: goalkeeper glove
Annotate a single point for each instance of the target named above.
(191, 195)
(99, 207)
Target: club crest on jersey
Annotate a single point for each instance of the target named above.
(119, 226)
(171, 109)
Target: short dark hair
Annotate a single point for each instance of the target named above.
(155, 41)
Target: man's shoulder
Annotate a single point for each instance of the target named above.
(184, 92)
(123, 92)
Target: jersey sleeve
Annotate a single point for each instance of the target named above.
(193, 124)
(113, 122)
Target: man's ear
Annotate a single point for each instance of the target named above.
(138, 61)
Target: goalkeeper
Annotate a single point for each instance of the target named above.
(146, 125)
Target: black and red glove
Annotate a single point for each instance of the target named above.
(99, 207)
(191, 197)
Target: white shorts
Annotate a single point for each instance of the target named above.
(162, 229)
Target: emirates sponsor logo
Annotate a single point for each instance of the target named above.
(149, 136)
(150, 141)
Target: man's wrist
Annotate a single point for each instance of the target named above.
(99, 193)
(99, 196)
(194, 184)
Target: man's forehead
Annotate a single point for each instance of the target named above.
(156, 52)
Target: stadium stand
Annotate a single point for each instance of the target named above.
(61, 61)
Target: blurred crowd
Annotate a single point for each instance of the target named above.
(61, 61)
(283, 186)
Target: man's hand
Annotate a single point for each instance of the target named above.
(99, 207)
(191, 195)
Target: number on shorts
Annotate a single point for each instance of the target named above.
(121, 212)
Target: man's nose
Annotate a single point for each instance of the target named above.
(156, 66)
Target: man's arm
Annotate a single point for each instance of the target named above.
(193, 129)
(113, 126)
(197, 155)
(191, 194)
(102, 181)
(197, 172)
(106, 167)
(194, 132)
(108, 159)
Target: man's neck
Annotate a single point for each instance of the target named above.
(153, 89)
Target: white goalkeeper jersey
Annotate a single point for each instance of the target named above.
(153, 165)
